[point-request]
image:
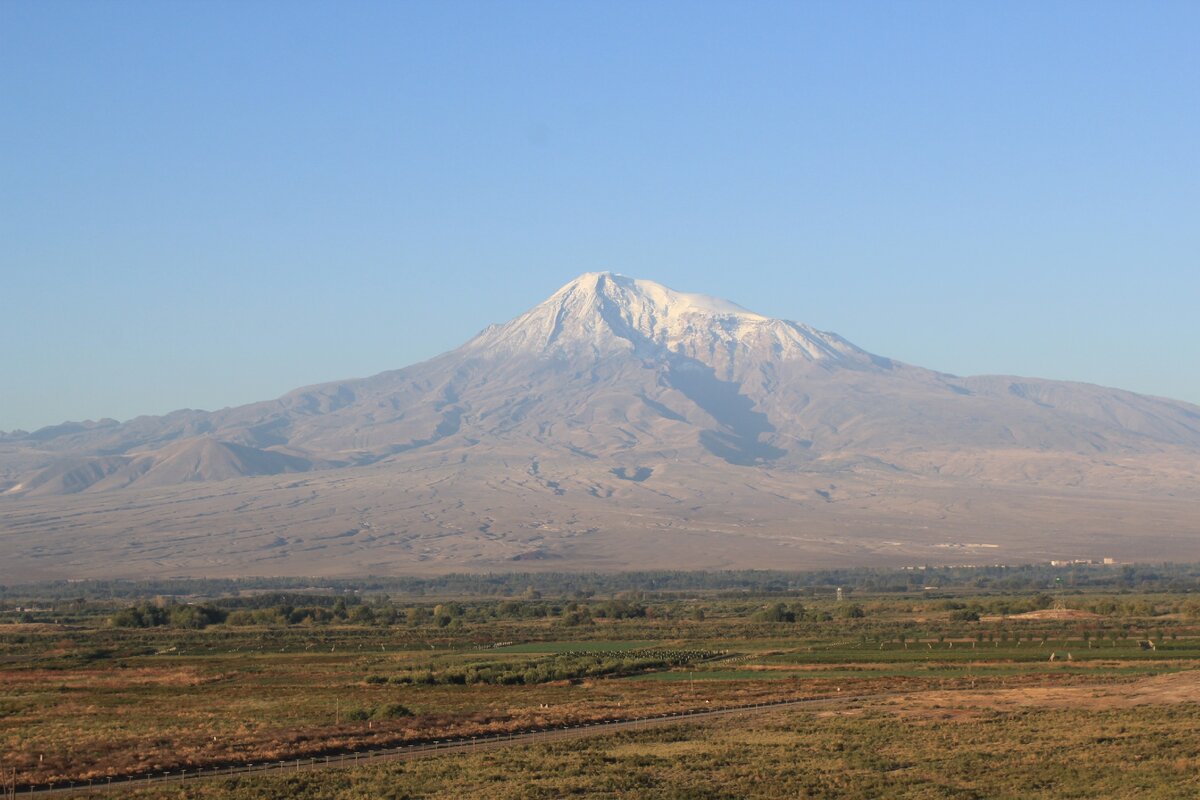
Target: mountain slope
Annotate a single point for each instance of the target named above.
(614, 402)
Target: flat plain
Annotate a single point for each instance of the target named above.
(954, 693)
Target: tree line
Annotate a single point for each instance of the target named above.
(1027, 577)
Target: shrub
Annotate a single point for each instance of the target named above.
(775, 613)
(390, 711)
(577, 617)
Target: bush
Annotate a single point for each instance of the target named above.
(390, 711)
(577, 617)
(775, 613)
(195, 617)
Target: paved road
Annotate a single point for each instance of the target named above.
(409, 752)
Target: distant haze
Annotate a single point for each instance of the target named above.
(207, 205)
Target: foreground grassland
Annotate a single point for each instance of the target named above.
(1148, 751)
(1004, 695)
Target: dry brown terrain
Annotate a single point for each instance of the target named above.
(415, 518)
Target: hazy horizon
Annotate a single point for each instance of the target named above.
(205, 209)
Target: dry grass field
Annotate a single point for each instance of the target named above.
(931, 698)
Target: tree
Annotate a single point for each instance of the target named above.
(775, 613)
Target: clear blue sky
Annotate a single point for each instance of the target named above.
(204, 204)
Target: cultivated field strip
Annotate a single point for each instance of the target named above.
(420, 750)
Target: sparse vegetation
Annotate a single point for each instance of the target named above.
(115, 687)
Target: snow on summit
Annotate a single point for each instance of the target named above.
(604, 312)
(673, 302)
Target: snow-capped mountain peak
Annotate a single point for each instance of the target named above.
(665, 301)
(618, 424)
(604, 312)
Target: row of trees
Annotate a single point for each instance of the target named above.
(379, 612)
(150, 615)
(584, 586)
(560, 667)
(795, 612)
(323, 610)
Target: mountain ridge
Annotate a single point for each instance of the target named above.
(617, 402)
(734, 368)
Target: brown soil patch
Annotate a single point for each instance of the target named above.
(1047, 613)
(1179, 687)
